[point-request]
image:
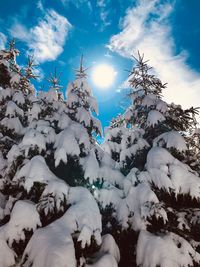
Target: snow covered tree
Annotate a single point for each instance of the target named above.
(45, 222)
(9, 70)
(162, 197)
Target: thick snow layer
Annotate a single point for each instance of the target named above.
(50, 246)
(72, 98)
(154, 117)
(141, 202)
(13, 153)
(57, 191)
(24, 216)
(13, 124)
(64, 121)
(5, 93)
(108, 255)
(161, 106)
(93, 170)
(158, 178)
(160, 158)
(109, 246)
(172, 139)
(66, 144)
(50, 96)
(106, 260)
(53, 245)
(109, 195)
(149, 100)
(83, 216)
(35, 170)
(131, 142)
(7, 255)
(13, 110)
(18, 98)
(34, 112)
(93, 104)
(15, 78)
(83, 116)
(183, 180)
(164, 251)
(47, 132)
(32, 139)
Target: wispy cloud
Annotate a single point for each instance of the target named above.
(3, 40)
(78, 3)
(47, 38)
(104, 13)
(146, 28)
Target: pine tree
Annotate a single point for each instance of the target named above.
(44, 221)
(161, 198)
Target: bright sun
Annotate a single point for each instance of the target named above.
(103, 75)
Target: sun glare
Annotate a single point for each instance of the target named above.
(103, 75)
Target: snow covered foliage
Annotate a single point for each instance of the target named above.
(125, 145)
(152, 143)
(66, 201)
(81, 103)
(44, 151)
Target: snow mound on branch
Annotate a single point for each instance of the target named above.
(7, 255)
(83, 116)
(104, 171)
(18, 98)
(110, 195)
(13, 153)
(108, 255)
(159, 158)
(5, 93)
(15, 78)
(131, 142)
(184, 181)
(64, 121)
(24, 216)
(50, 246)
(53, 245)
(161, 106)
(140, 203)
(93, 104)
(13, 110)
(57, 191)
(158, 178)
(49, 96)
(83, 216)
(13, 124)
(35, 170)
(47, 132)
(149, 100)
(154, 117)
(66, 144)
(34, 112)
(33, 139)
(166, 250)
(171, 139)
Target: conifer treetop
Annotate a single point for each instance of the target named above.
(54, 80)
(142, 80)
(81, 72)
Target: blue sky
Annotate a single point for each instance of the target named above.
(109, 31)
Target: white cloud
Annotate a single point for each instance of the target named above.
(3, 40)
(45, 40)
(78, 3)
(146, 28)
(104, 13)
